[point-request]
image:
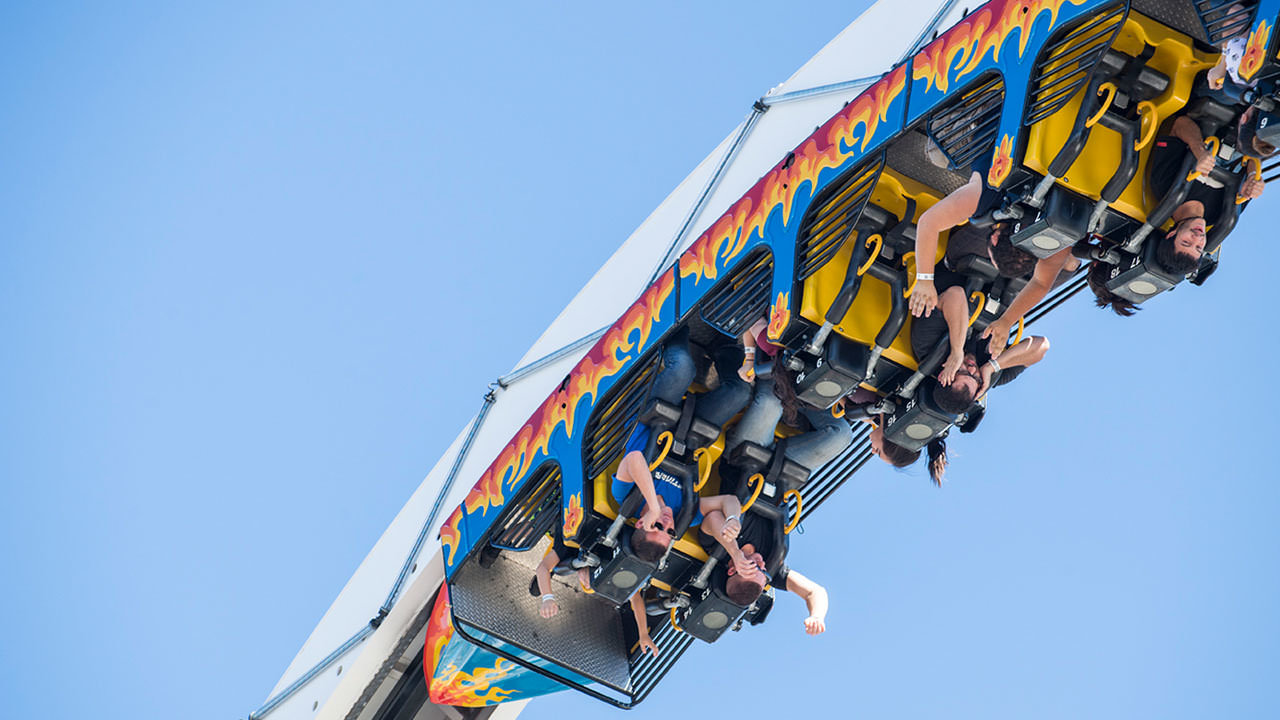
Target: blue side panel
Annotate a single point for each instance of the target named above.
(1002, 35)
(554, 431)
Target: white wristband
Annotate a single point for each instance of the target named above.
(924, 276)
(750, 352)
(548, 596)
(994, 364)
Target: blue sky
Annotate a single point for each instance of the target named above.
(250, 267)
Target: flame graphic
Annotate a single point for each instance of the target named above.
(607, 357)
(449, 535)
(964, 46)
(1255, 50)
(452, 686)
(573, 518)
(1001, 162)
(779, 316)
(449, 685)
(828, 148)
(439, 632)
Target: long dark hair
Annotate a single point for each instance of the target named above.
(784, 387)
(901, 457)
(937, 460)
(1099, 273)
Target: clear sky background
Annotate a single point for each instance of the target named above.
(258, 263)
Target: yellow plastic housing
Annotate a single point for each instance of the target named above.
(1177, 58)
(871, 307)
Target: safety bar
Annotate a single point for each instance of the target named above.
(844, 298)
(1161, 212)
(1129, 147)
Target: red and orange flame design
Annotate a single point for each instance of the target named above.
(1001, 162)
(779, 316)
(450, 536)
(452, 686)
(573, 518)
(606, 358)
(439, 632)
(965, 45)
(828, 148)
(1255, 50)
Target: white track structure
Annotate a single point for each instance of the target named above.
(348, 668)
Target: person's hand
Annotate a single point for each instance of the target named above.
(814, 625)
(1218, 75)
(646, 645)
(1205, 163)
(987, 372)
(732, 526)
(924, 298)
(1252, 188)
(998, 331)
(548, 607)
(745, 568)
(652, 514)
(950, 368)
(748, 370)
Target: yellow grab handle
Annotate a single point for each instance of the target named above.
(758, 479)
(703, 472)
(879, 243)
(1110, 90)
(1213, 144)
(1146, 109)
(982, 302)
(906, 265)
(1257, 175)
(1020, 326)
(675, 624)
(799, 504)
(666, 439)
(837, 410)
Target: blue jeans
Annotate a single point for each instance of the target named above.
(829, 436)
(678, 371)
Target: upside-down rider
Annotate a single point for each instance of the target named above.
(1180, 250)
(662, 492)
(745, 581)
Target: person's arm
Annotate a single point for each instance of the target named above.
(634, 469)
(1186, 130)
(547, 605)
(955, 310)
(1042, 279)
(642, 623)
(721, 512)
(1025, 354)
(748, 370)
(815, 598)
(952, 210)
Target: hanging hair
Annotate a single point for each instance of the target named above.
(784, 387)
(1097, 279)
(1172, 261)
(742, 591)
(953, 398)
(647, 549)
(897, 455)
(1011, 261)
(937, 460)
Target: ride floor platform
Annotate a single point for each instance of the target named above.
(586, 636)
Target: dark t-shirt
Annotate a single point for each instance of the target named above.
(1167, 155)
(927, 332)
(562, 551)
(758, 532)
